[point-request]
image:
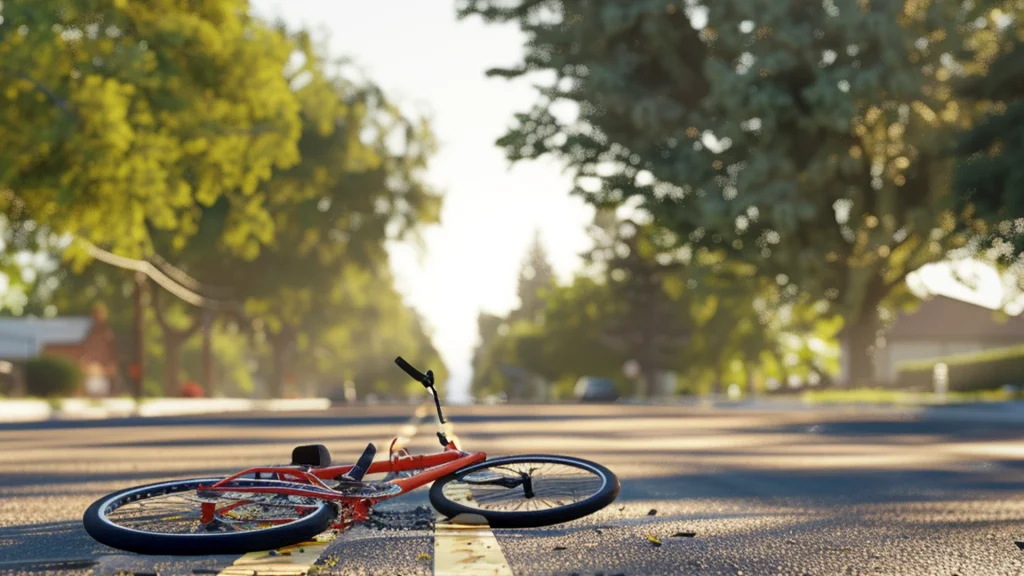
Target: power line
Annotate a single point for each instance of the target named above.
(190, 296)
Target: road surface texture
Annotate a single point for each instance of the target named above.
(726, 491)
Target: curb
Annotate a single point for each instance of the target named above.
(80, 409)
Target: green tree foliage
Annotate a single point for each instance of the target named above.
(368, 325)
(359, 183)
(496, 361)
(990, 176)
(121, 117)
(808, 139)
(244, 155)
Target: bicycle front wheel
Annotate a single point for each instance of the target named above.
(165, 518)
(525, 491)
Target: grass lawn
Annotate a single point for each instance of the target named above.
(900, 397)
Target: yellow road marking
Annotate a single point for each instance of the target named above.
(467, 549)
(298, 559)
(294, 560)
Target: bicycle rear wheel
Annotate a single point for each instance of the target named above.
(165, 518)
(525, 491)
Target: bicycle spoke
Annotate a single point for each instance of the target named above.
(181, 512)
(554, 485)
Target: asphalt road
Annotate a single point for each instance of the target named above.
(762, 492)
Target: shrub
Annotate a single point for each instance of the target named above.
(51, 377)
(985, 370)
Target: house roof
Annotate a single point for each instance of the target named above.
(23, 338)
(944, 319)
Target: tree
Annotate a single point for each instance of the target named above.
(489, 329)
(990, 174)
(535, 276)
(174, 335)
(649, 322)
(125, 117)
(358, 184)
(311, 214)
(500, 344)
(808, 139)
(624, 309)
(372, 325)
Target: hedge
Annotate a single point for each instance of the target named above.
(985, 370)
(48, 377)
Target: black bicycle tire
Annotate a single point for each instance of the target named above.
(534, 518)
(141, 542)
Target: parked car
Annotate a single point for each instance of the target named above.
(589, 389)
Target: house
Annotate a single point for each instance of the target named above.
(86, 340)
(939, 327)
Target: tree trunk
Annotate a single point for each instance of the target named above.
(779, 358)
(279, 349)
(138, 368)
(750, 380)
(172, 364)
(174, 340)
(208, 382)
(716, 383)
(858, 349)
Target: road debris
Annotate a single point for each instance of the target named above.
(684, 534)
(423, 556)
(1020, 544)
(653, 512)
(653, 540)
(560, 548)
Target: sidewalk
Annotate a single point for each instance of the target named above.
(30, 410)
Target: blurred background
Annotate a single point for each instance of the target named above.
(542, 200)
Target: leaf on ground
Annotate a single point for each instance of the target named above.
(560, 548)
(622, 508)
(653, 540)
(684, 534)
(423, 556)
(653, 512)
(1020, 545)
(599, 531)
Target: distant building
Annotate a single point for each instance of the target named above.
(86, 340)
(939, 327)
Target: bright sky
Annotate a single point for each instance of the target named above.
(431, 63)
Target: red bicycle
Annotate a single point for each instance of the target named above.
(270, 507)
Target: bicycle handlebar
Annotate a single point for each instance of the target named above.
(426, 379)
(428, 382)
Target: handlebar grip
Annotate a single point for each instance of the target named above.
(416, 374)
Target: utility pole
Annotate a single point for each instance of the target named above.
(138, 369)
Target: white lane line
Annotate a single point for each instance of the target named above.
(467, 549)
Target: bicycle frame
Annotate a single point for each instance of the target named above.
(300, 481)
(308, 482)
